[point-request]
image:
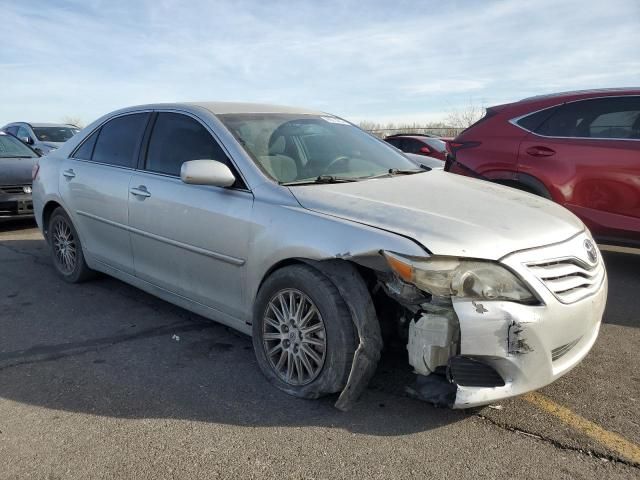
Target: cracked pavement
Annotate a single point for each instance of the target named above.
(101, 380)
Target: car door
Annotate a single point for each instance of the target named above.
(191, 240)
(94, 185)
(588, 154)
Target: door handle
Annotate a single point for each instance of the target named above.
(540, 151)
(69, 173)
(140, 191)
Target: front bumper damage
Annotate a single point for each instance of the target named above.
(471, 353)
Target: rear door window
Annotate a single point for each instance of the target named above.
(178, 138)
(119, 139)
(609, 118)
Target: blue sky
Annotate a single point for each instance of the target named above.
(364, 60)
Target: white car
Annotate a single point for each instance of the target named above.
(300, 229)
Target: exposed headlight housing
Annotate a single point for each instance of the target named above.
(460, 278)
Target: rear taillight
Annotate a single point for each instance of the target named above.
(453, 146)
(35, 170)
(426, 150)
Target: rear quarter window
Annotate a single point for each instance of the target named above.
(533, 121)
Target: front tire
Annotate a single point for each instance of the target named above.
(66, 249)
(303, 335)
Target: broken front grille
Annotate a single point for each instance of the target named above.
(13, 188)
(569, 279)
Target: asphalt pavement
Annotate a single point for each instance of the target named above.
(101, 380)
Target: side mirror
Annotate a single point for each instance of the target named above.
(206, 172)
(27, 140)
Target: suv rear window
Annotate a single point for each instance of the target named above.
(611, 117)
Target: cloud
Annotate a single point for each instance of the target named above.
(357, 59)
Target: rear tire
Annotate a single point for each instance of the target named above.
(303, 352)
(66, 249)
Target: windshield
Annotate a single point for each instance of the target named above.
(54, 134)
(295, 148)
(12, 147)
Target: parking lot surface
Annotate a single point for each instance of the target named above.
(101, 380)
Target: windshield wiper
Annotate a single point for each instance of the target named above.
(397, 171)
(321, 179)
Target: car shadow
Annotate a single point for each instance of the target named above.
(623, 302)
(106, 348)
(10, 225)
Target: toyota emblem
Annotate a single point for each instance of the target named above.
(592, 255)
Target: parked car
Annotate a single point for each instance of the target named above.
(16, 164)
(42, 137)
(580, 149)
(300, 229)
(419, 144)
(425, 162)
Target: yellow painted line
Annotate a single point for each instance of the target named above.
(617, 443)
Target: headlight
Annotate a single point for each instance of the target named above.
(461, 278)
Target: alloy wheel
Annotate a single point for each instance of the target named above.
(64, 246)
(294, 337)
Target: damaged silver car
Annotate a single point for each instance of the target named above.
(323, 243)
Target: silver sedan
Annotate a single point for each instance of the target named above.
(323, 242)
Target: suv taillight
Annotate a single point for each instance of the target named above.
(453, 146)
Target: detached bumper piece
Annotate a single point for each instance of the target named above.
(469, 372)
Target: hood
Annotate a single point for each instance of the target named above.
(50, 145)
(447, 213)
(16, 171)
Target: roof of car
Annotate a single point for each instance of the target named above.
(595, 91)
(416, 136)
(42, 124)
(239, 107)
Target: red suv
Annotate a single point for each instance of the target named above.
(580, 149)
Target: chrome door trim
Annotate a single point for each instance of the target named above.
(208, 253)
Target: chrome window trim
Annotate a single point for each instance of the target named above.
(136, 169)
(514, 121)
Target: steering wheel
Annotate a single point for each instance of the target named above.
(338, 159)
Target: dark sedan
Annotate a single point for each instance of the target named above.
(16, 164)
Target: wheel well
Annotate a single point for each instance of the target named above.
(365, 272)
(517, 185)
(529, 184)
(46, 215)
